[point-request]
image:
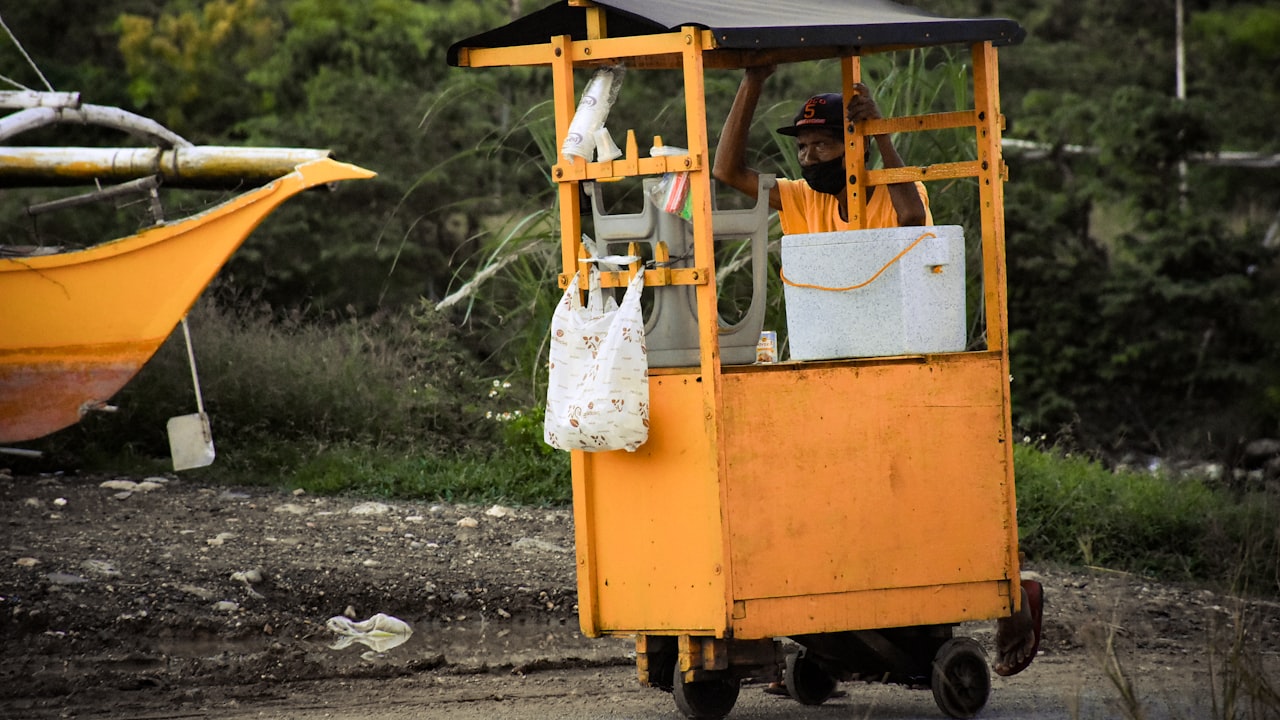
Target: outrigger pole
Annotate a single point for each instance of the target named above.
(172, 159)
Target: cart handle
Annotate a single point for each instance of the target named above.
(870, 280)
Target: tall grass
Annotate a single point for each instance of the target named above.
(1241, 681)
(394, 405)
(1242, 685)
(507, 296)
(1073, 510)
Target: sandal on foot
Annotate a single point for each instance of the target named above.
(1035, 603)
(776, 688)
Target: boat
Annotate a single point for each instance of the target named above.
(76, 325)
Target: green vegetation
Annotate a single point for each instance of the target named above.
(388, 406)
(1073, 510)
(1140, 319)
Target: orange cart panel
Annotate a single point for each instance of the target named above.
(849, 480)
(654, 531)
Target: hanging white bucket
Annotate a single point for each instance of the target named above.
(190, 437)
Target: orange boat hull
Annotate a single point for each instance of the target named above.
(76, 327)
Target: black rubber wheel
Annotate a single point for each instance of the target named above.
(709, 699)
(664, 669)
(806, 681)
(961, 679)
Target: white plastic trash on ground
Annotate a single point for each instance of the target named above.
(873, 293)
(380, 632)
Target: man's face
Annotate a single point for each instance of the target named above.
(816, 146)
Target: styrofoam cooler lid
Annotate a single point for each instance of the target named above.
(846, 237)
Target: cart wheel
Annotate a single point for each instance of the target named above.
(807, 682)
(705, 699)
(961, 679)
(664, 668)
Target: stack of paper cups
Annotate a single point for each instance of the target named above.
(592, 111)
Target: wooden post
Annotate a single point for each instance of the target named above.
(991, 177)
(991, 192)
(855, 160)
(565, 103)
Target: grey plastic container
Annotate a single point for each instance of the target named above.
(916, 306)
(671, 326)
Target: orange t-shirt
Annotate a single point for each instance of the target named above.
(805, 210)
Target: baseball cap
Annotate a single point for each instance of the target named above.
(820, 111)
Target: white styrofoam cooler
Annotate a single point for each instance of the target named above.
(915, 306)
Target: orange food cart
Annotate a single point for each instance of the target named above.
(859, 507)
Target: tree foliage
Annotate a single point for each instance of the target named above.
(1141, 318)
(186, 68)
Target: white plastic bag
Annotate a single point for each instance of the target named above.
(671, 193)
(598, 389)
(380, 632)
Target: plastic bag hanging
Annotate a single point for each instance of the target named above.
(593, 110)
(671, 193)
(598, 384)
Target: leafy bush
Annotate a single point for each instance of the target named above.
(1073, 510)
(394, 381)
(522, 476)
(1154, 333)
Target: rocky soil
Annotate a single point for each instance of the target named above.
(192, 596)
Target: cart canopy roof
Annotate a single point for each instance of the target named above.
(756, 24)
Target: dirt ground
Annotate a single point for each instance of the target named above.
(165, 598)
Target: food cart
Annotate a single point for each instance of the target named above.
(859, 507)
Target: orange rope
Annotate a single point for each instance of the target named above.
(872, 279)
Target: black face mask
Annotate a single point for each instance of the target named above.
(826, 177)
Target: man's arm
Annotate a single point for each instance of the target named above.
(906, 199)
(730, 165)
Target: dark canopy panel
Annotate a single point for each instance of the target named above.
(756, 24)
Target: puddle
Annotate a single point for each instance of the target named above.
(509, 643)
(465, 643)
